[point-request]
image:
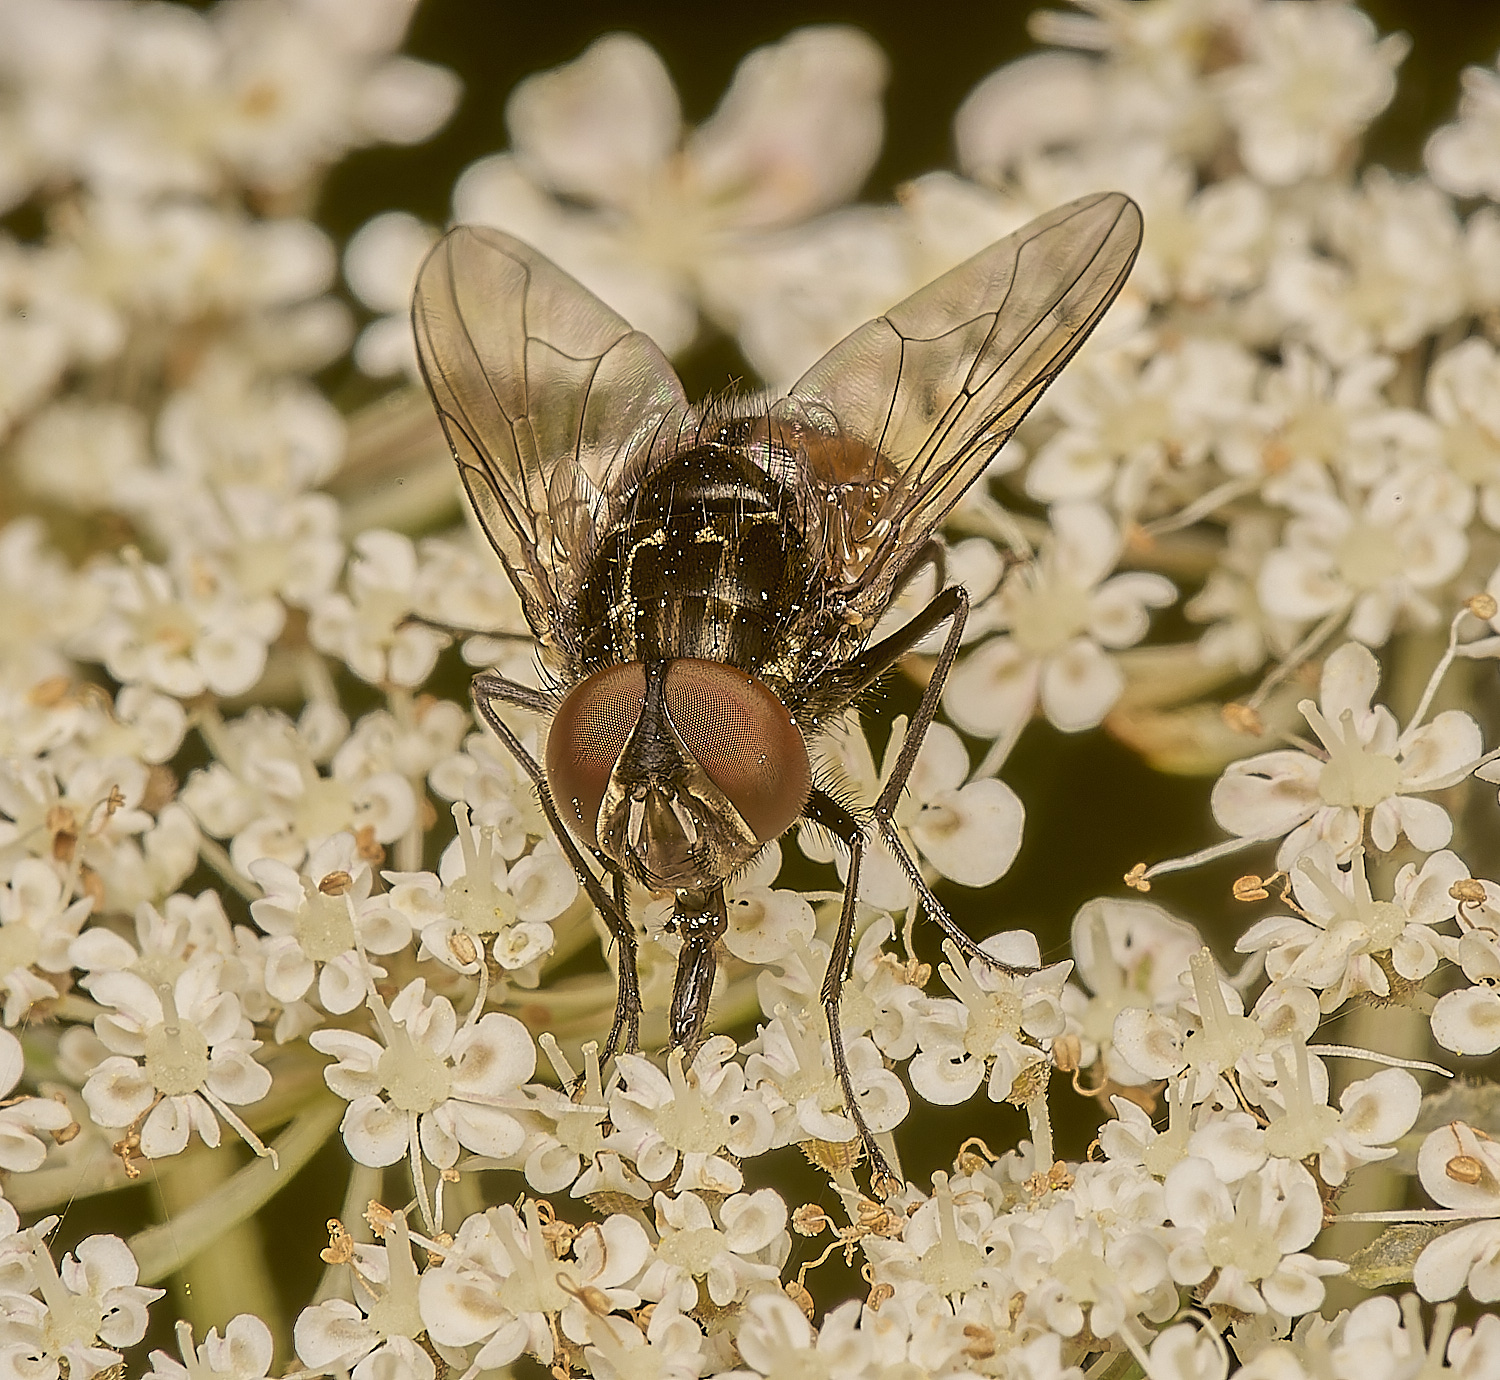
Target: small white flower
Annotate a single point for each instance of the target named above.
(1250, 1239)
(369, 628)
(21, 1118)
(1460, 1168)
(1331, 943)
(1371, 769)
(1374, 1111)
(183, 631)
(237, 429)
(500, 1284)
(576, 1149)
(791, 1064)
(244, 1352)
(498, 793)
(38, 922)
(321, 922)
(742, 1251)
(89, 1311)
(1464, 157)
(695, 1114)
(475, 901)
(181, 1052)
(429, 1085)
(1059, 614)
(1467, 1020)
(87, 455)
(168, 939)
(1126, 954)
(42, 604)
(671, 1349)
(380, 264)
(1125, 424)
(969, 830)
(374, 1337)
(882, 998)
(1396, 272)
(266, 790)
(606, 181)
(994, 1030)
(1463, 396)
(1377, 558)
(1208, 1034)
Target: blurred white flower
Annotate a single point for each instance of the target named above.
(380, 265)
(1463, 396)
(1392, 272)
(795, 135)
(1313, 77)
(370, 627)
(183, 631)
(266, 790)
(39, 919)
(1126, 954)
(1464, 157)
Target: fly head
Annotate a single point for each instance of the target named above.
(679, 771)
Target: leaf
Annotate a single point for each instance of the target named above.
(1391, 1258)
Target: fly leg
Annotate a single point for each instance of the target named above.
(884, 809)
(840, 687)
(825, 810)
(850, 680)
(625, 1032)
(701, 918)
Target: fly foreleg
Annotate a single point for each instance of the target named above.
(625, 1032)
(701, 918)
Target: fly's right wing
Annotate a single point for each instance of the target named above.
(903, 415)
(544, 394)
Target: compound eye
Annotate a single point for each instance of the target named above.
(744, 739)
(588, 734)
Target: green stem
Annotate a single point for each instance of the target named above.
(204, 1204)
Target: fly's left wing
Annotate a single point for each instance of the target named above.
(544, 393)
(902, 416)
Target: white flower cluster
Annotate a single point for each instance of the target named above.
(230, 748)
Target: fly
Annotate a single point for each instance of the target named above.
(703, 580)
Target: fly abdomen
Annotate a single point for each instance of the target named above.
(707, 561)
